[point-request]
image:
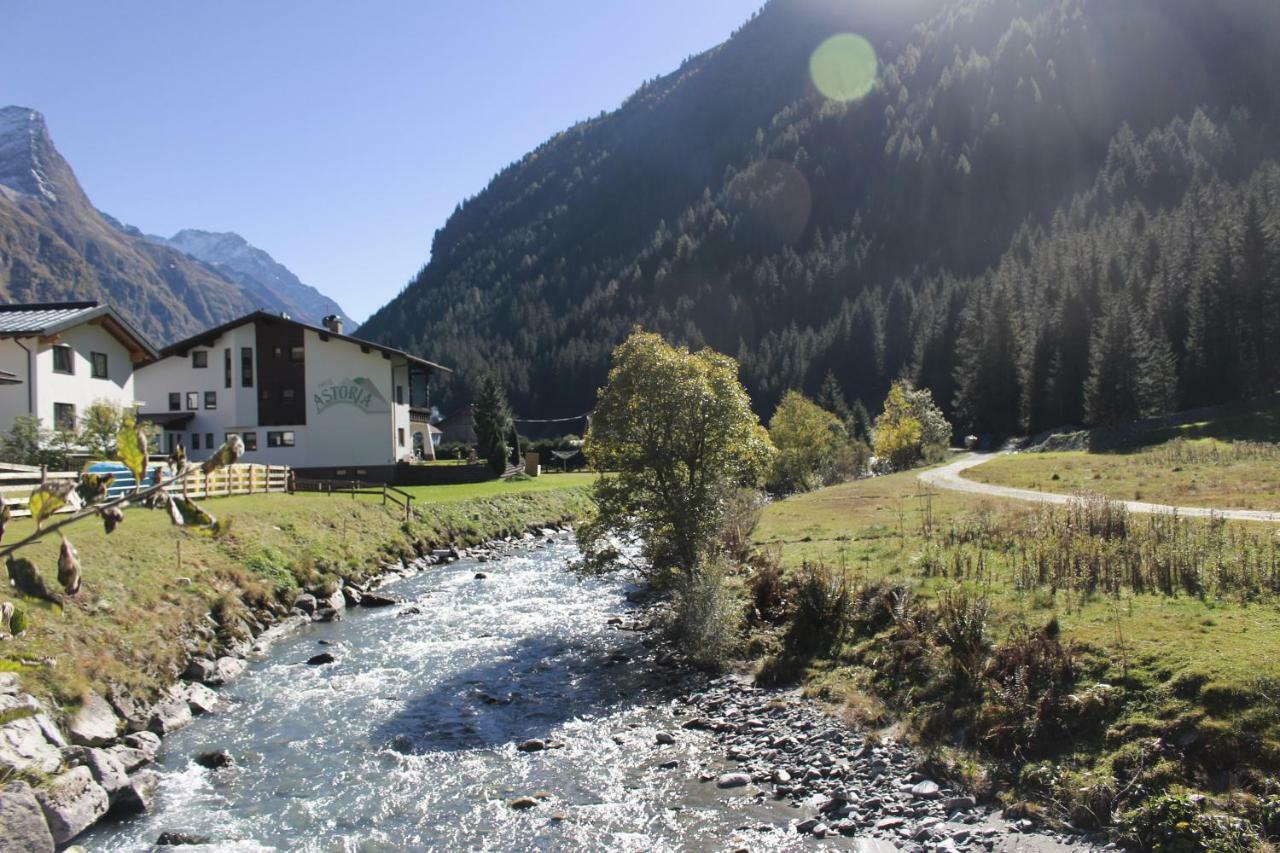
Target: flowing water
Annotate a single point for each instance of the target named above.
(409, 739)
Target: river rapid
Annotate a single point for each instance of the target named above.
(410, 739)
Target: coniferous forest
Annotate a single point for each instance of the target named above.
(1047, 212)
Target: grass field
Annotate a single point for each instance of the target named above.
(1195, 666)
(1201, 472)
(149, 585)
(496, 488)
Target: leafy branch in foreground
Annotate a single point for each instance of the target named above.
(87, 498)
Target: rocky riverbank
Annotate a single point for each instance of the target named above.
(842, 783)
(63, 779)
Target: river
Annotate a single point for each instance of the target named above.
(409, 740)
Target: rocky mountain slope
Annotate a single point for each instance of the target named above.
(55, 245)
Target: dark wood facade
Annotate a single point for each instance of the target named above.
(282, 379)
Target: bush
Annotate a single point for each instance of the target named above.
(706, 617)
(821, 612)
(1171, 823)
(910, 430)
(812, 444)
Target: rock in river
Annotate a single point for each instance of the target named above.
(95, 724)
(320, 659)
(733, 780)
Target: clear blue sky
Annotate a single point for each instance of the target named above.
(335, 135)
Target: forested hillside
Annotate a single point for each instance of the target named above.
(1041, 205)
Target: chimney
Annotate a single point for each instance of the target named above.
(333, 323)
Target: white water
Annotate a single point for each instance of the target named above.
(409, 740)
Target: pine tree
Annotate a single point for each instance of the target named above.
(493, 424)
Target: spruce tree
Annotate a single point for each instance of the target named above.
(493, 424)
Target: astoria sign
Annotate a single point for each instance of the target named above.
(359, 392)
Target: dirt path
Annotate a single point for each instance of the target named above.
(949, 477)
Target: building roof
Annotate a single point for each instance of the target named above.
(46, 319)
(207, 337)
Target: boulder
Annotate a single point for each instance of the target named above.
(327, 614)
(95, 724)
(139, 795)
(306, 602)
(733, 780)
(200, 669)
(373, 599)
(959, 804)
(24, 744)
(145, 742)
(522, 803)
(25, 827)
(321, 659)
(481, 576)
(136, 714)
(106, 767)
(336, 601)
(215, 760)
(532, 745)
(665, 738)
(228, 669)
(170, 714)
(202, 700)
(9, 683)
(72, 802)
(131, 759)
(178, 839)
(352, 596)
(926, 790)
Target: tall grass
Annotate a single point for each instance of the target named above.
(1179, 451)
(1095, 545)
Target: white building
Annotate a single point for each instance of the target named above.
(64, 356)
(306, 396)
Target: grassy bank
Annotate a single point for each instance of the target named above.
(149, 586)
(1201, 472)
(1092, 662)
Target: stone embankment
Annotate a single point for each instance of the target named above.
(57, 780)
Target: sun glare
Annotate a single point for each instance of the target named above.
(843, 68)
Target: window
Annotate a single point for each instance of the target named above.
(286, 395)
(400, 395)
(246, 367)
(278, 352)
(211, 399)
(400, 433)
(195, 441)
(62, 361)
(175, 401)
(193, 400)
(208, 440)
(250, 441)
(64, 416)
(280, 438)
(199, 358)
(98, 360)
(226, 366)
(297, 353)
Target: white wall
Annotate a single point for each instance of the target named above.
(337, 435)
(79, 388)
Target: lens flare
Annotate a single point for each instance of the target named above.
(843, 68)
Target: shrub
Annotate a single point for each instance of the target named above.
(767, 588)
(812, 445)
(962, 630)
(821, 610)
(911, 429)
(705, 621)
(1172, 823)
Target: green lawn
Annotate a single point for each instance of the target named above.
(1182, 660)
(496, 488)
(148, 584)
(1202, 472)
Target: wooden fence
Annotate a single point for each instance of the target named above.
(388, 493)
(240, 479)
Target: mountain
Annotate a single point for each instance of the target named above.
(1009, 162)
(261, 275)
(55, 245)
